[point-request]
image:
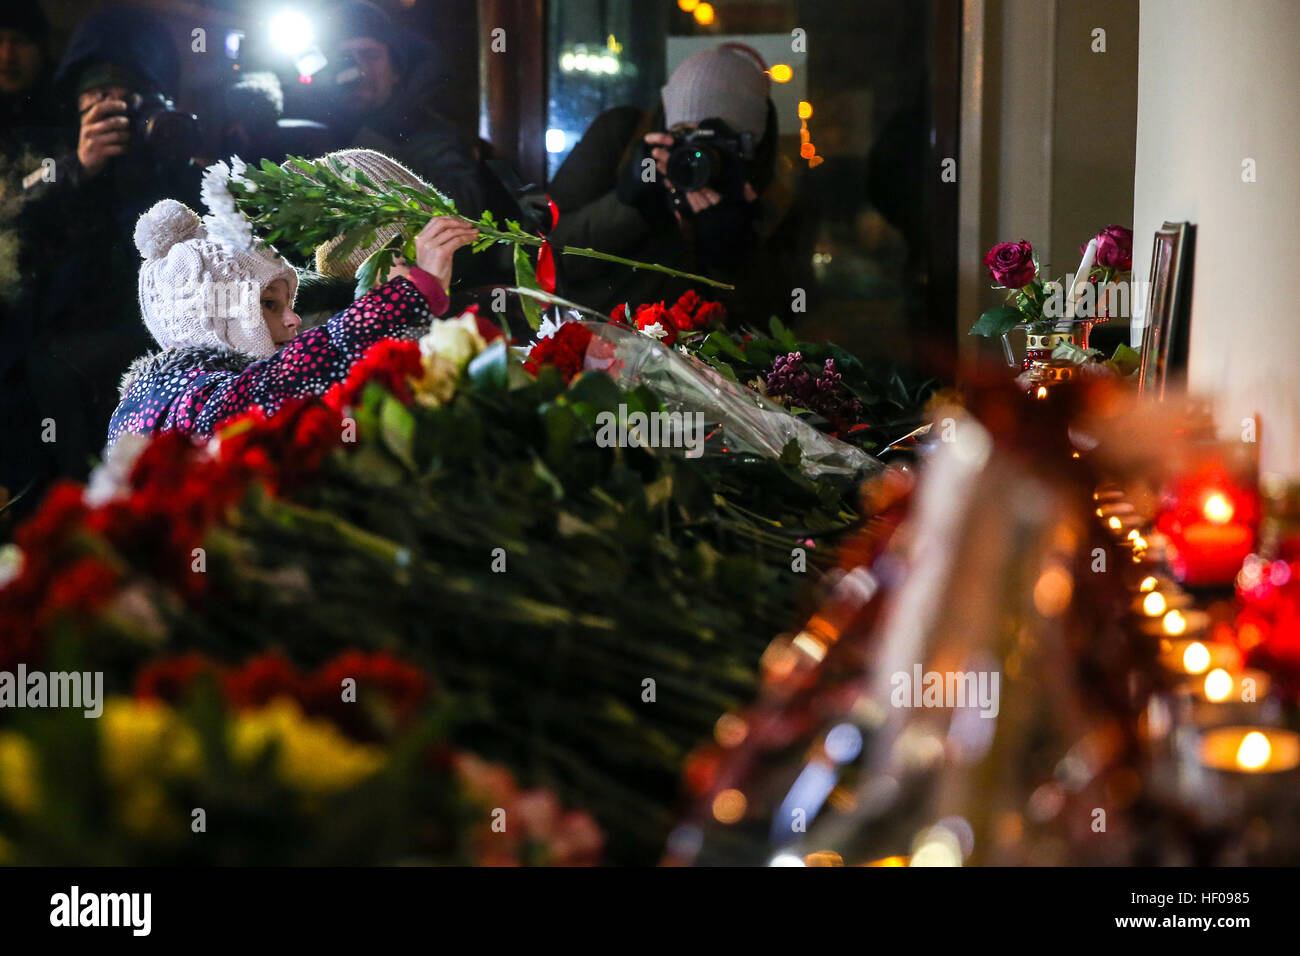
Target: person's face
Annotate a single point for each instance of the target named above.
(20, 61)
(281, 321)
(378, 78)
(96, 93)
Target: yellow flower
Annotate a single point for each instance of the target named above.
(312, 756)
(18, 784)
(144, 738)
(439, 382)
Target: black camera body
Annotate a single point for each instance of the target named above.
(711, 156)
(168, 134)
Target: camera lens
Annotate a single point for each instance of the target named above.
(693, 166)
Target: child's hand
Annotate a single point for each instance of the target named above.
(438, 241)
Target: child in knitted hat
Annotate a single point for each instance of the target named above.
(229, 337)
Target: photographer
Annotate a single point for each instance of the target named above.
(389, 104)
(131, 149)
(688, 185)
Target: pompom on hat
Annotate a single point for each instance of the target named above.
(379, 169)
(196, 292)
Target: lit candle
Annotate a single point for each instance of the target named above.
(1246, 749)
(1210, 525)
(1081, 278)
(1184, 656)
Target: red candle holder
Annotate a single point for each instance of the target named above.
(1210, 520)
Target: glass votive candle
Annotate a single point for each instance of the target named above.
(1250, 749)
(1198, 657)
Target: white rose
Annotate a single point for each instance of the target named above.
(455, 340)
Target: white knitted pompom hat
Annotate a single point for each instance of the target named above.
(194, 291)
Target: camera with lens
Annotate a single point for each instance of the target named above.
(711, 156)
(169, 134)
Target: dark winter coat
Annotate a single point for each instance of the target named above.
(194, 390)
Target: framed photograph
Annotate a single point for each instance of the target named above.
(1164, 343)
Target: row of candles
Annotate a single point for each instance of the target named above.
(1228, 704)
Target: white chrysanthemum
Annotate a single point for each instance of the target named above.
(550, 326)
(11, 563)
(655, 331)
(224, 222)
(109, 480)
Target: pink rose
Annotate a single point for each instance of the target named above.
(1115, 248)
(1011, 264)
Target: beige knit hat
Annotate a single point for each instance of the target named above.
(379, 169)
(723, 83)
(194, 291)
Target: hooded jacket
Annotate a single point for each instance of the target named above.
(194, 389)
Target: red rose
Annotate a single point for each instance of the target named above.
(488, 330)
(1011, 264)
(171, 678)
(620, 312)
(1115, 248)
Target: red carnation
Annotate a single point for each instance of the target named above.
(656, 314)
(261, 680)
(171, 678)
(620, 312)
(566, 350)
(389, 363)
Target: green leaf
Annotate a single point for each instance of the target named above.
(488, 368)
(724, 343)
(1126, 359)
(397, 426)
(526, 278)
(997, 321)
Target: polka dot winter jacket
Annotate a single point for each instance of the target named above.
(194, 390)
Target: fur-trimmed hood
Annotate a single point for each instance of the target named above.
(204, 358)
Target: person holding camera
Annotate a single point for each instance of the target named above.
(128, 148)
(687, 185)
(385, 98)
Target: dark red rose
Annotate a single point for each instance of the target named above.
(620, 313)
(1115, 248)
(711, 314)
(1011, 264)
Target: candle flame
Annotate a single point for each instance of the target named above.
(1154, 604)
(1196, 658)
(1218, 685)
(1218, 509)
(1148, 584)
(1174, 624)
(1254, 751)
(1115, 523)
(1042, 392)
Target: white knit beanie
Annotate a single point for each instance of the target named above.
(379, 169)
(722, 83)
(194, 291)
